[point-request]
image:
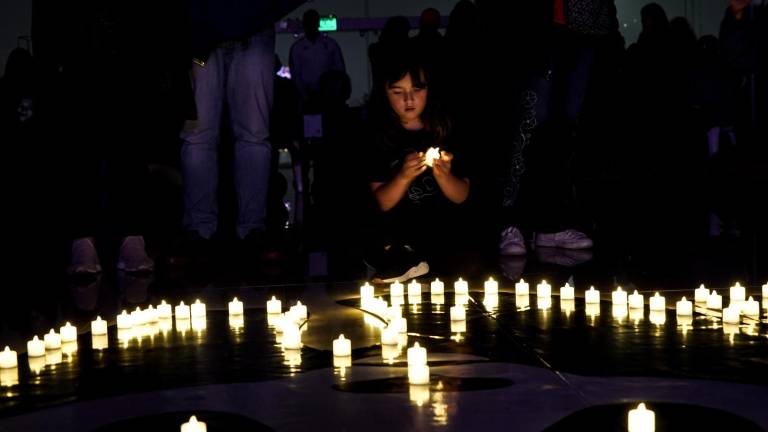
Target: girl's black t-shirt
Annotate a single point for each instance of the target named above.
(388, 152)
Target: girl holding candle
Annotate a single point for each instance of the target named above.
(420, 201)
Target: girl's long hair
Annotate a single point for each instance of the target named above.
(399, 61)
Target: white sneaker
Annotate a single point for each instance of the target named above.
(84, 259)
(512, 242)
(133, 256)
(568, 239)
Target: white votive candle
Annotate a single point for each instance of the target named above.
(700, 294)
(124, 320)
(9, 377)
(418, 374)
(458, 313)
(274, 306)
(198, 309)
(619, 297)
(765, 291)
(738, 293)
(521, 288)
(389, 336)
(731, 315)
(164, 310)
(636, 300)
(8, 358)
(684, 307)
(592, 296)
(460, 299)
(52, 340)
(543, 289)
(137, 317)
(300, 310)
(194, 426)
(751, 308)
(714, 300)
(437, 287)
(417, 355)
(291, 336)
(458, 326)
(461, 287)
(35, 347)
(414, 289)
(342, 346)
(491, 301)
(657, 302)
(641, 419)
(99, 342)
(68, 333)
(567, 292)
(400, 325)
(366, 291)
(235, 307)
(491, 287)
(182, 311)
(396, 289)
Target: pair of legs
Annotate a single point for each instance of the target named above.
(538, 191)
(239, 75)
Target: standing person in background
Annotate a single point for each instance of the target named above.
(311, 57)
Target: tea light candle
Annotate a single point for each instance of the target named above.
(68, 333)
(300, 310)
(396, 289)
(701, 294)
(342, 362)
(657, 302)
(100, 342)
(636, 300)
(414, 289)
(417, 355)
(182, 311)
(567, 292)
(124, 320)
(437, 287)
(291, 336)
(235, 307)
(400, 325)
(751, 308)
(342, 346)
(35, 348)
(619, 297)
(641, 419)
(461, 287)
(460, 299)
(198, 309)
(138, 318)
(521, 288)
(458, 313)
(714, 301)
(9, 377)
(731, 315)
(430, 156)
(389, 336)
(543, 289)
(491, 287)
(458, 326)
(738, 293)
(592, 296)
(619, 311)
(164, 310)
(52, 340)
(366, 291)
(765, 291)
(437, 299)
(8, 359)
(274, 306)
(418, 374)
(684, 307)
(491, 301)
(194, 426)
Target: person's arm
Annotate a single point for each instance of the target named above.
(454, 188)
(390, 193)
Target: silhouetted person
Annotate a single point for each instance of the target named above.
(393, 37)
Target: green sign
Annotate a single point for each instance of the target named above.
(328, 23)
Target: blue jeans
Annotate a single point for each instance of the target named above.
(240, 74)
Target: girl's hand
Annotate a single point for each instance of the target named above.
(413, 166)
(442, 166)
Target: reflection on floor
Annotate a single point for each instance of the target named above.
(531, 361)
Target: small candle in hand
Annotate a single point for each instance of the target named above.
(432, 154)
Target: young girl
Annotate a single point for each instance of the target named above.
(419, 205)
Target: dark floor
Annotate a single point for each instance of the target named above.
(527, 362)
